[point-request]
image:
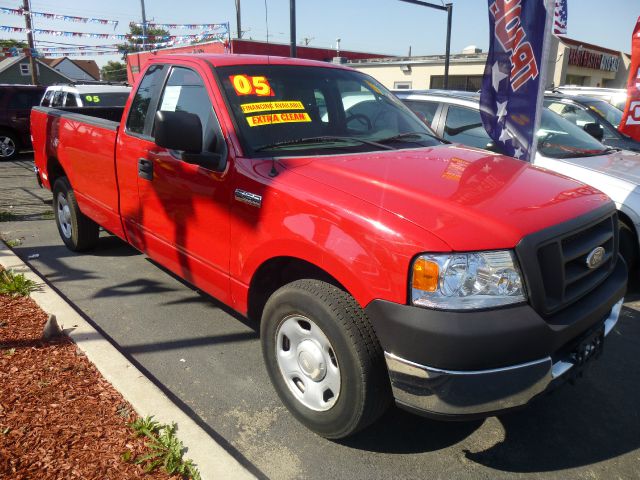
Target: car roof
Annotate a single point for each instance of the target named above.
(226, 59)
(458, 97)
(90, 88)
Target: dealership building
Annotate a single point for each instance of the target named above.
(571, 62)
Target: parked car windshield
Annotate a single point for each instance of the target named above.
(605, 110)
(559, 138)
(293, 110)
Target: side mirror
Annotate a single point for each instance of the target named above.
(178, 131)
(595, 130)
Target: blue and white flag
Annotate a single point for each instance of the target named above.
(513, 85)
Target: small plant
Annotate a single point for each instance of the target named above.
(15, 284)
(7, 216)
(10, 352)
(166, 449)
(14, 243)
(48, 215)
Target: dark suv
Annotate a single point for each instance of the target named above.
(15, 108)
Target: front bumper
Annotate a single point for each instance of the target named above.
(469, 393)
(480, 362)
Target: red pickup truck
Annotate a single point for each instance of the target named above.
(382, 262)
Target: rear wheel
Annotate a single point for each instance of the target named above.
(78, 232)
(323, 358)
(9, 146)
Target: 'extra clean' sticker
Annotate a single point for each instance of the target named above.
(270, 106)
(274, 118)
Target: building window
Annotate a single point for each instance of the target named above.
(402, 85)
(25, 69)
(469, 83)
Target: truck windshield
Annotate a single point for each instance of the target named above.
(294, 110)
(605, 110)
(559, 138)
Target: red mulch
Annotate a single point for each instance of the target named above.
(59, 419)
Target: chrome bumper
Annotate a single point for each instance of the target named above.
(450, 392)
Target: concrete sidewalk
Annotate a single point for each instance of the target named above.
(212, 460)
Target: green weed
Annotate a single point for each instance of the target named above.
(14, 243)
(166, 449)
(15, 284)
(7, 216)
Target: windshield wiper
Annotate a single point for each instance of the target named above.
(323, 139)
(408, 135)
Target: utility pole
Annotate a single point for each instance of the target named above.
(449, 9)
(32, 61)
(144, 25)
(292, 26)
(238, 19)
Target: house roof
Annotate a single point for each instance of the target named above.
(89, 66)
(11, 61)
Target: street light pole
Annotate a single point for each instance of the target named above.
(144, 26)
(449, 9)
(292, 23)
(238, 19)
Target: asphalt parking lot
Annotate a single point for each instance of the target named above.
(208, 360)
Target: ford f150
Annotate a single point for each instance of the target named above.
(381, 262)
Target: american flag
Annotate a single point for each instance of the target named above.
(560, 18)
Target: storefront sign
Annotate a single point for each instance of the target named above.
(588, 59)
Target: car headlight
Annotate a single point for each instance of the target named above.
(459, 281)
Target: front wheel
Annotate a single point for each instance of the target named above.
(323, 358)
(78, 232)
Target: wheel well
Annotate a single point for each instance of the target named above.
(624, 218)
(277, 272)
(54, 170)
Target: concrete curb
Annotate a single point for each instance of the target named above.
(212, 460)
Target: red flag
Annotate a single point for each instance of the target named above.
(630, 123)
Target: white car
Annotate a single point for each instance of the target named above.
(562, 147)
(85, 95)
(615, 96)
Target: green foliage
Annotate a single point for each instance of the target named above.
(15, 284)
(12, 43)
(114, 71)
(16, 242)
(7, 216)
(165, 449)
(135, 45)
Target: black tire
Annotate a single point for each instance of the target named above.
(82, 232)
(628, 247)
(364, 392)
(9, 145)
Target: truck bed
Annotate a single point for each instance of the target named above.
(83, 145)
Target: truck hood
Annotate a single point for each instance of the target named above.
(623, 165)
(469, 198)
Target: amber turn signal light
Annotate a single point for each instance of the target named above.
(425, 275)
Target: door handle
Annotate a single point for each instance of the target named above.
(145, 169)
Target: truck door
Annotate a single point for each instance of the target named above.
(183, 219)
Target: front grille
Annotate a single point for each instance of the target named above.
(555, 260)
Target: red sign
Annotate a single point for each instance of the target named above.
(631, 119)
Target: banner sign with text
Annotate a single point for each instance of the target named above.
(513, 85)
(630, 123)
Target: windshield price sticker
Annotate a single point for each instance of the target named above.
(266, 106)
(246, 85)
(275, 118)
(92, 98)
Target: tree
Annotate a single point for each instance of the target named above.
(114, 72)
(135, 45)
(12, 43)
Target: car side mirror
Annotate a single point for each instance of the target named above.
(595, 130)
(178, 131)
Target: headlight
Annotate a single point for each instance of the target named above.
(458, 281)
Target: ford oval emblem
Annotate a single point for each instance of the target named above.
(595, 257)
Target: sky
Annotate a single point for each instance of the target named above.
(377, 26)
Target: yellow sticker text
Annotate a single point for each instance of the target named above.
(273, 118)
(266, 106)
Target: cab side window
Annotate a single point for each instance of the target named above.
(185, 92)
(141, 103)
(46, 100)
(58, 99)
(464, 125)
(70, 101)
